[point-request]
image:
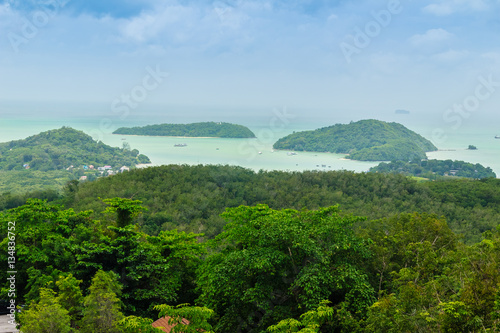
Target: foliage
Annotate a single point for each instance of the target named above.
(125, 209)
(365, 140)
(206, 129)
(102, 306)
(277, 264)
(46, 316)
(191, 198)
(310, 322)
(432, 169)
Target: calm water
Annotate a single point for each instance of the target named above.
(258, 153)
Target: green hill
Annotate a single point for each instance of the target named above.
(61, 148)
(206, 129)
(365, 140)
(433, 169)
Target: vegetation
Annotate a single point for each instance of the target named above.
(433, 169)
(52, 158)
(206, 129)
(472, 147)
(281, 255)
(365, 140)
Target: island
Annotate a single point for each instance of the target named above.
(364, 140)
(50, 159)
(435, 169)
(472, 147)
(203, 129)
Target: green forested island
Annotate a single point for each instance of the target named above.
(435, 168)
(56, 156)
(282, 252)
(204, 129)
(365, 140)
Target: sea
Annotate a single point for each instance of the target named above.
(269, 124)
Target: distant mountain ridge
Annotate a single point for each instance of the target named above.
(62, 148)
(364, 140)
(202, 129)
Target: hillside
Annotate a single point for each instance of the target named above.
(62, 148)
(433, 169)
(365, 140)
(190, 198)
(205, 129)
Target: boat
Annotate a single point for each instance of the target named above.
(497, 136)
(180, 145)
(291, 154)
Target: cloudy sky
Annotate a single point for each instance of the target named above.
(360, 56)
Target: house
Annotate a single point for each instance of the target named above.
(107, 167)
(124, 168)
(83, 178)
(91, 167)
(85, 167)
(163, 324)
(101, 168)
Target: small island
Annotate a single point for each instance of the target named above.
(472, 147)
(365, 140)
(203, 129)
(435, 169)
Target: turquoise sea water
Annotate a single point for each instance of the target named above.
(257, 153)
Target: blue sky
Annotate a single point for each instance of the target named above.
(421, 55)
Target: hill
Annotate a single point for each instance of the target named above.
(433, 169)
(205, 129)
(52, 158)
(62, 148)
(365, 140)
(190, 198)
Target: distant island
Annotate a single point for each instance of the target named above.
(434, 169)
(365, 140)
(472, 147)
(204, 129)
(402, 112)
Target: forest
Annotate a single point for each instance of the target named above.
(204, 129)
(232, 250)
(364, 140)
(434, 169)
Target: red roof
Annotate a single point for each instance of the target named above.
(165, 326)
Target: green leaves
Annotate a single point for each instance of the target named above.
(276, 264)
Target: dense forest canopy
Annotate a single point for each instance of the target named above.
(204, 129)
(191, 198)
(433, 169)
(365, 140)
(313, 268)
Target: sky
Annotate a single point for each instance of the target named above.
(438, 58)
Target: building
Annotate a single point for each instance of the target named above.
(163, 324)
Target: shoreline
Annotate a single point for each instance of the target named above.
(181, 137)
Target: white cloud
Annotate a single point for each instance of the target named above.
(431, 37)
(448, 7)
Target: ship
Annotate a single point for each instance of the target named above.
(180, 145)
(497, 136)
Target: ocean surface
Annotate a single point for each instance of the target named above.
(258, 154)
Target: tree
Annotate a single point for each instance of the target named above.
(126, 209)
(273, 265)
(102, 306)
(46, 316)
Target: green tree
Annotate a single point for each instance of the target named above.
(46, 316)
(273, 265)
(125, 209)
(102, 306)
(197, 316)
